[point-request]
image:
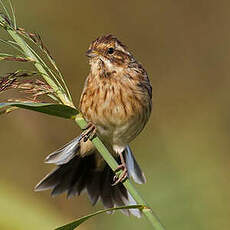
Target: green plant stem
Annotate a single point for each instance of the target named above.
(82, 123)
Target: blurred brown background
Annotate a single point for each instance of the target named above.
(184, 150)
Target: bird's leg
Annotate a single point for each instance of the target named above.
(123, 176)
(89, 132)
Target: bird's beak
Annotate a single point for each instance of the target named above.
(91, 53)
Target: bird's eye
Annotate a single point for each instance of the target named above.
(110, 50)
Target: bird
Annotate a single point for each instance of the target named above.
(117, 102)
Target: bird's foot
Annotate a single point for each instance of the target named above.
(124, 175)
(89, 132)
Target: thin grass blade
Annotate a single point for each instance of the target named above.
(13, 45)
(5, 9)
(76, 223)
(13, 14)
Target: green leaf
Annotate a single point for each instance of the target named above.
(57, 110)
(76, 223)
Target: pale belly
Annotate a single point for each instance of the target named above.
(120, 134)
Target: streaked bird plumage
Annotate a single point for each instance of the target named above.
(117, 99)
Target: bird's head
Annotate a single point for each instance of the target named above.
(109, 53)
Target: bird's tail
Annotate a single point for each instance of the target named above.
(75, 174)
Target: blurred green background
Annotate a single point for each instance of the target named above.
(184, 150)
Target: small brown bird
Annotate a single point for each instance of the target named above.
(117, 100)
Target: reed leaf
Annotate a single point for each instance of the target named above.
(58, 110)
(78, 222)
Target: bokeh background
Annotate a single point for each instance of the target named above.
(184, 150)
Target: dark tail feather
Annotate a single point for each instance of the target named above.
(81, 173)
